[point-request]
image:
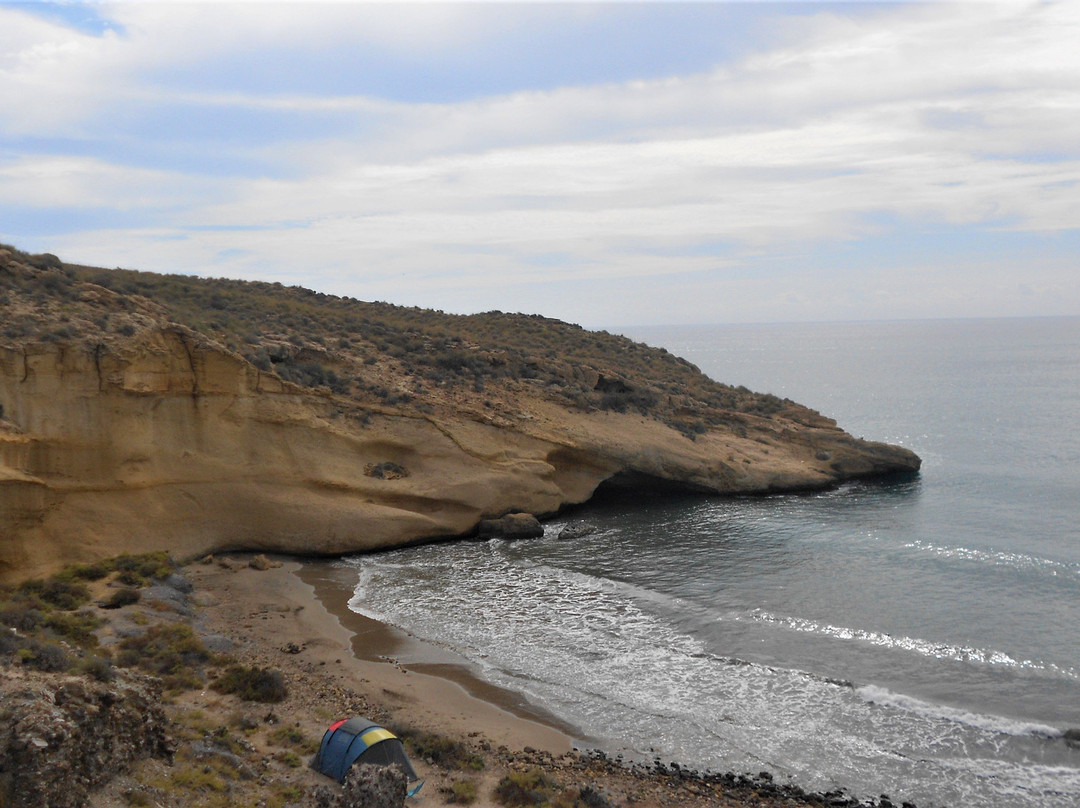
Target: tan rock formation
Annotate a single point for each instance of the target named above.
(165, 440)
(175, 445)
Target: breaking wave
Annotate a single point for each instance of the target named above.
(926, 648)
(610, 657)
(1013, 561)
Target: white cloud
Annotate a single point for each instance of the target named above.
(88, 184)
(914, 116)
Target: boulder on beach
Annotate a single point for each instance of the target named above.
(511, 526)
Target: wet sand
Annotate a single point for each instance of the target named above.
(294, 617)
(376, 642)
(305, 604)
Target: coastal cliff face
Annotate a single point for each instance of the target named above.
(124, 430)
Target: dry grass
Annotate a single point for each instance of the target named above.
(376, 354)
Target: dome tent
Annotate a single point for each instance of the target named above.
(358, 740)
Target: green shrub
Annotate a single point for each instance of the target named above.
(446, 753)
(593, 798)
(148, 565)
(524, 789)
(462, 792)
(86, 572)
(128, 658)
(21, 616)
(78, 627)
(9, 644)
(290, 759)
(122, 597)
(291, 735)
(58, 593)
(253, 684)
(169, 650)
(98, 667)
(130, 578)
(44, 656)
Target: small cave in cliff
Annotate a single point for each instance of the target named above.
(633, 485)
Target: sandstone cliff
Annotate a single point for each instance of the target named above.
(123, 429)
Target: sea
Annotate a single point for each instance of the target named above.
(916, 638)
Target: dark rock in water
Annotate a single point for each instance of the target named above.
(512, 526)
(367, 786)
(576, 531)
(1072, 738)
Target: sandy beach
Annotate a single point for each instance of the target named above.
(289, 604)
(294, 617)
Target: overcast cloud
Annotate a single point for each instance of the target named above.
(609, 164)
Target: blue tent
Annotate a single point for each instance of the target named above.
(360, 740)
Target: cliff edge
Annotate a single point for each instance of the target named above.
(141, 412)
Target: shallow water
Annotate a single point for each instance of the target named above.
(920, 639)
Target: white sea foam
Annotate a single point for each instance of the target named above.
(1015, 561)
(991, 723)
(927, 648)
(606, 656)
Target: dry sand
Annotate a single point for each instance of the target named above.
(287, 604)
(338, 664)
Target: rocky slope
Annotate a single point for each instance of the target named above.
(189, 415)
(65, 735)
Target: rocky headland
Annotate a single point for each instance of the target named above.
(142, 412)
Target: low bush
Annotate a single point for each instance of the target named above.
(44, 656)
(85, 572)
(291, 735)
(78, 627)
(253, 684)
(98, 667)
(21, 616)
(122, 597)
(130, 578)
(173, 651)
(55, 592)
(290, 759)
(9, 644)
(462, 792)
(524, 789)
(445, 752)
(147, 565)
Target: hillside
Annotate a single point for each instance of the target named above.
(144, 412)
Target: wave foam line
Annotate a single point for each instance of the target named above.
(1017, 561)
(928, 648)
(883, 697)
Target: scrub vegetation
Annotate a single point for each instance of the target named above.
(372, 352)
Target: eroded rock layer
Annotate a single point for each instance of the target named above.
(153, 436)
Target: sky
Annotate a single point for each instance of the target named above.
(613, 163)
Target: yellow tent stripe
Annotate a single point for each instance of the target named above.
(376, 734)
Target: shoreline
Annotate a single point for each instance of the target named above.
(328, 639)
(379, 643)
(291, 615)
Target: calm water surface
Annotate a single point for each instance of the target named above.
(920, 639)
